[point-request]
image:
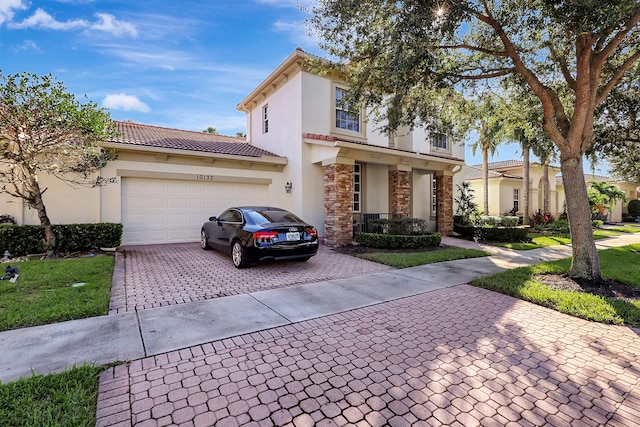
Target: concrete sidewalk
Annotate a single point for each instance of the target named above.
(135, 335)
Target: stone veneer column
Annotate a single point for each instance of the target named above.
(400, 192)
(444, 203)
(338, 203)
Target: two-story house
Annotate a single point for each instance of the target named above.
(305, 151)
(340, 168)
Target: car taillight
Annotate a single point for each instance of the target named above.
(264, 236)
(312, 232)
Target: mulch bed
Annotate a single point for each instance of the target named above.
(606, 288)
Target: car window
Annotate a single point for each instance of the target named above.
(264, 217)
(231, 215)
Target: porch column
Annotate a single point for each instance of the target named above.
(338, 201)
(401, 190)
(444, 202)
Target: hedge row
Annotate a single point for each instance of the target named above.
(396, 241)
(22, 240)
(403, 226)
(492, 234)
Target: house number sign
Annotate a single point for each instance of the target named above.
(205, 178)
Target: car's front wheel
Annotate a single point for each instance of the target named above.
(239, 255)
(204, 244)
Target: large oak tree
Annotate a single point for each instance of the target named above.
(569, 55)
(45, 131)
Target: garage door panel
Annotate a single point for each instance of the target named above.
(171, 211)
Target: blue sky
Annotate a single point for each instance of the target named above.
(182, 64)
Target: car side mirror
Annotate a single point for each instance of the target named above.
(212, 218)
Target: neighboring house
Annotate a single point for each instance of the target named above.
(305, 152)
(630, 189)
(506, 186)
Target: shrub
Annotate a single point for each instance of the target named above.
(491, 233)
(22, 240)
(634, 208)
(503, 220)
(596, 223)
(400, 226)
(396, 241)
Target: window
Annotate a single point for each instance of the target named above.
(516, 199)
(347, 117)
(439, 140)
(265, 119)
(434, 199)
(357, 188)
(231, 215)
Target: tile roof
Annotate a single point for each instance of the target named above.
(176, 139)
(475, 172)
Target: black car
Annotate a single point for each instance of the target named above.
(256, 233)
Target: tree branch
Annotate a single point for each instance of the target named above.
(474, 49)
(617, 76)
(563, 67)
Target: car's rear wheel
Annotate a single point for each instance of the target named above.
(239, 255)
(204, 244)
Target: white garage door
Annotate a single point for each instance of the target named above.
(172, 211)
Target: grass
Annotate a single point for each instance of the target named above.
(411, 259)
(65, 399)
(540, 241)
(46, 294)
(626, 229)
(620, 264)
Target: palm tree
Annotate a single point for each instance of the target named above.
(545, 150)
(489, 126)
(602, 197)
(525, 143)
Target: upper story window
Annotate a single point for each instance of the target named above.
(347, 117)
(265, 119)
(439, 140)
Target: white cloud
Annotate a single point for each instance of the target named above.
(29, 45)
(109, 24)
(121, 101)
(105, 22)
(41, 19)
(8, 8)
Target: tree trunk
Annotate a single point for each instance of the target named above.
(485, 179)
(585, 263)
(525, 184)
(50, 243)
(545, 185)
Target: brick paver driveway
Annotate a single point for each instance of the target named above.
(159, 275)
(460, 356)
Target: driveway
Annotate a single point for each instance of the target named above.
(159, 275)
(455, 355)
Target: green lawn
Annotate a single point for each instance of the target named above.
(47, 294)
(540, 241)
(411, 259)
(620, 264)
(65, 399)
